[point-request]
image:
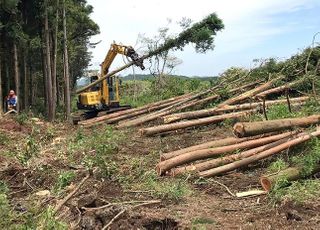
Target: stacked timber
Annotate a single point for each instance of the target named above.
(188, 111)
(243, 129)
(221, 156)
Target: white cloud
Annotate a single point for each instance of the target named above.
(247, 23)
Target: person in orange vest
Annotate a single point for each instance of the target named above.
(12, 100)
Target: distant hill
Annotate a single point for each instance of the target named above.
(148, 76)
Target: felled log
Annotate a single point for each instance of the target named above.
(192, 123)
(250, 93)
(227, 108)
(289, 174)
(280, 88)
(243, 129)
(183, 104)
(166, 165)
(246, 86)
(259, 156)
(188, 105)
(210, 144)
(126, 114)
(230, 158)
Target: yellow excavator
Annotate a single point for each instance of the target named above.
(105, 96)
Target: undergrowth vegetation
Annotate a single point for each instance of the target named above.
(144, 177)
(305, 156)
(141, 92)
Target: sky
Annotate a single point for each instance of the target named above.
(254, 29)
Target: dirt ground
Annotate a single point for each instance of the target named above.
(210, 204)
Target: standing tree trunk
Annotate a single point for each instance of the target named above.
(1, 95)
(48, 67)
(16, 73)
(54, 61)
(7, 63)
(25, 81)
(34, 86)
(66, 66)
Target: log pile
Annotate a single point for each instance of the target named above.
(253, 141)
(188, 111)
(221, 156)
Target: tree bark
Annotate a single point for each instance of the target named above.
(66, 66)
(259, 156)
(1, 93)
(54, 61)
(280, 88)
(16, 74)
(250, 93)
(202, 166)
(184, 104)
(227, 108)
(243, 87)
(210, 144)
(121, 115)
(50, 102)
(243, 129)
(187, 124)
(8, 87)
(34, 86)
(26, 83)
(166, 165)
(289, 174)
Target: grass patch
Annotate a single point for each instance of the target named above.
(298, 191)
(201, 223)
(310, 160)
(142, 178)
(64, 179)
(97, 149)
(11, 219)
(277, 165)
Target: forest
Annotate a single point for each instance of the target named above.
(43, 51)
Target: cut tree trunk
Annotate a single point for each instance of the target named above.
(210, 144)
(280, 88)
(246, 86)
(187, 124)
(289, 174)
(166, 165)
(250, 93)
(259, 156)
(202, 166)
(227, 108)
(192, 101)
(243, 129)
(125, 114)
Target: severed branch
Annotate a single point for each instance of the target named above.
(113, 219)
(125, 209)
(228, 190)
(68, 197)
(143, 202)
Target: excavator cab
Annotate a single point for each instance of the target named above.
(105, 96)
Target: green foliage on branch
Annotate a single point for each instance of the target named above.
(201, 34)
